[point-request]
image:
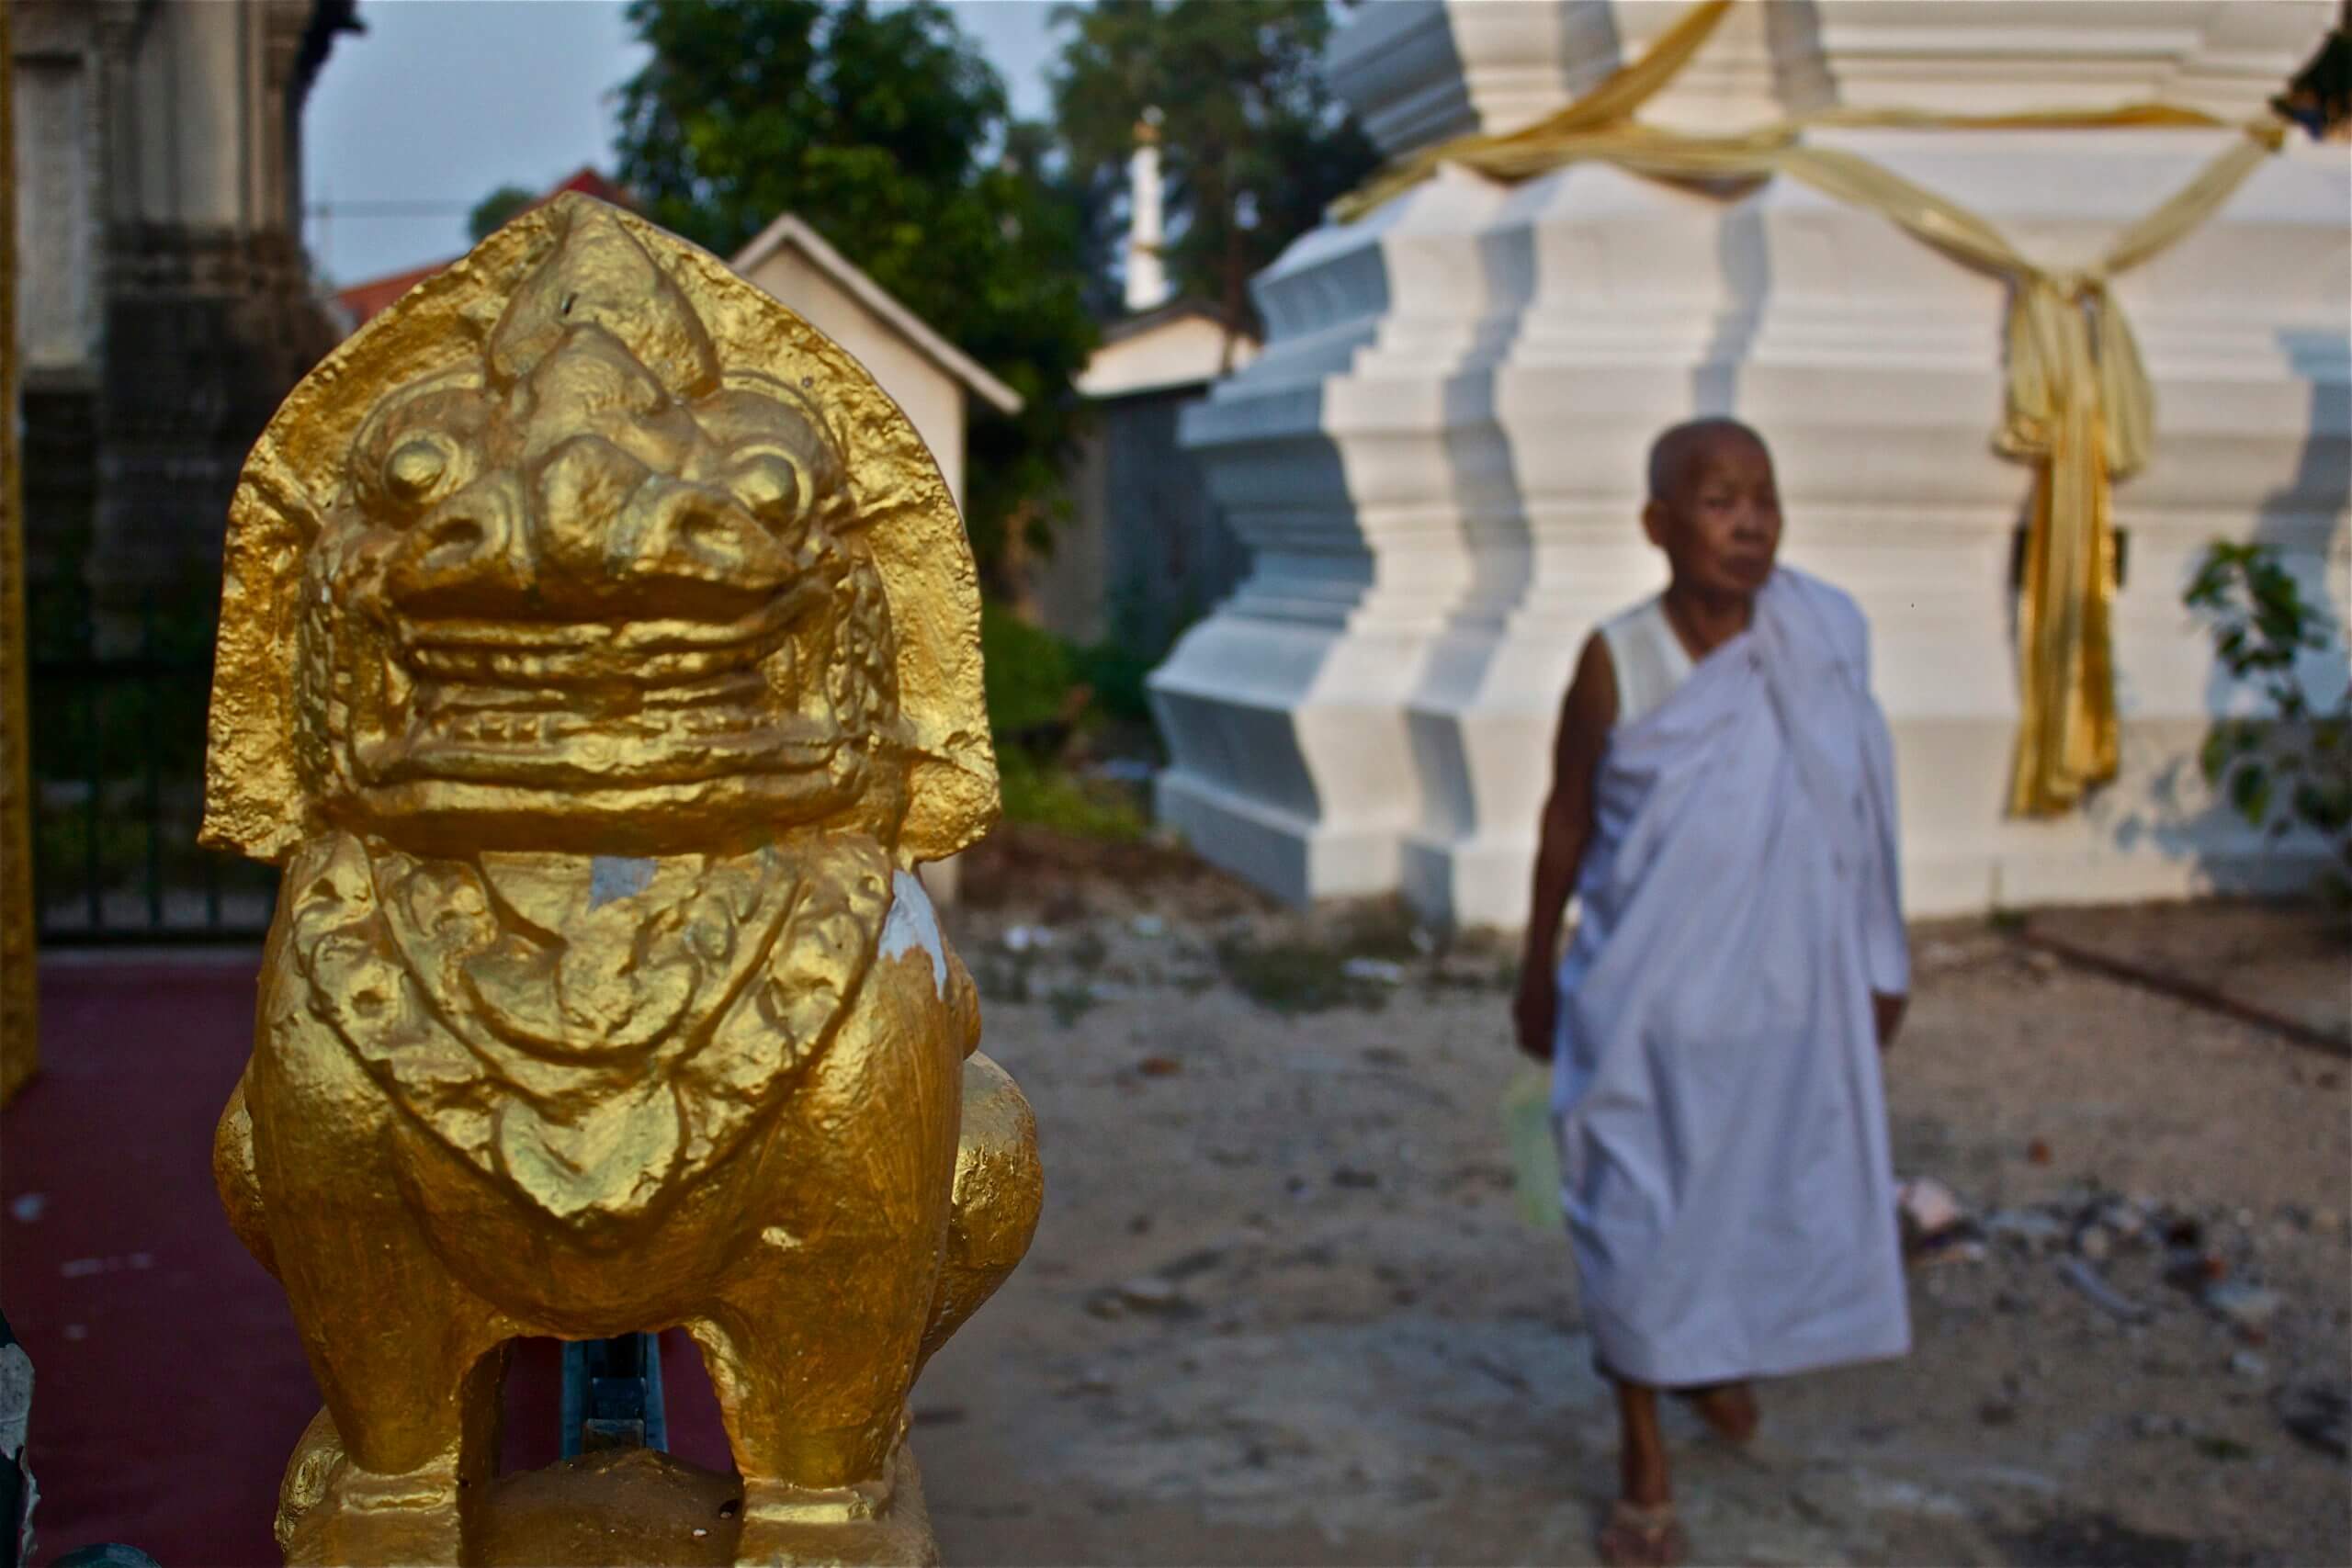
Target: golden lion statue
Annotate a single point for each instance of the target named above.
(599, 654)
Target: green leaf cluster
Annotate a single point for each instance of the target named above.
(491, 212)
(1044, 701)
(2293, 764)
(1047, 794)
(885, 130)
(1027, 670)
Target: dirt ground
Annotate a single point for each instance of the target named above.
(1281, 1307)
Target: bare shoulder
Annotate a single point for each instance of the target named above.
(1590, 709)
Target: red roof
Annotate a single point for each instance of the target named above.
(588, 182)
(375, 295)
(365, 300)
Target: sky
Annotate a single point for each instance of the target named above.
(440, 102)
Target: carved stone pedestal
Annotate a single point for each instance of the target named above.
(637, 1508)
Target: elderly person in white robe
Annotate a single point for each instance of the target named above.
(1723, 806)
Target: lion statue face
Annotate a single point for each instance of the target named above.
(596, 585)
(581, 594)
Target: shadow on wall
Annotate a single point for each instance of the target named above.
(1171, 553)
(1245, 702)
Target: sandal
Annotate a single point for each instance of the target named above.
(1639, 1537)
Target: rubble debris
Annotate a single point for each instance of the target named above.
(1936, 1225)
(1150, 1294)
(1929, 1208)
(2317, 1415)
(1958, 1245)
(2194, 1269)
(2086, 1278)
(1089, 1379)
(2246, 1307)
(2032, 1229)
(1200, 1260)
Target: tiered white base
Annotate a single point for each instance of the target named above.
(1437, 463)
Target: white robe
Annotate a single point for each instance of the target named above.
(1723, 1129)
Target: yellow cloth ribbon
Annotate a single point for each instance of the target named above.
(2078, 404)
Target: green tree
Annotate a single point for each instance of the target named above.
(492, 210)
(1253, 145)
(886, 132)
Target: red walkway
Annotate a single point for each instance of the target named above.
(169, 1383)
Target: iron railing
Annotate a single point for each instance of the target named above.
(118, 752)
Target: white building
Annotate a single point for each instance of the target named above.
(1437, 458)
(930, 379)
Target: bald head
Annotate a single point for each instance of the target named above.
(1713, 507)
(1677, 456)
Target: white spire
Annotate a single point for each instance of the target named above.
(1146, 273)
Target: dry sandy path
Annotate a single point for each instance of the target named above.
(1282, 1308)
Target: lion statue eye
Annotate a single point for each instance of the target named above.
(416, 468)
(769, 484)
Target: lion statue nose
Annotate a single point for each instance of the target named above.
(667, 540)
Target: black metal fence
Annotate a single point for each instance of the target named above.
(117, 756)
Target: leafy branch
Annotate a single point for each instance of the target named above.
(2293, 764)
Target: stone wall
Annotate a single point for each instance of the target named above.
(206, 330)
(164, 302)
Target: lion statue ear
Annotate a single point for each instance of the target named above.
(255, 801)
(258, 789)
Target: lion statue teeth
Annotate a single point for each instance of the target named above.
(599, 655)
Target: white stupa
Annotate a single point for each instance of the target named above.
(1147, 271)
(1436, 457)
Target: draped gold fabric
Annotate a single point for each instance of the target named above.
(2079, 404)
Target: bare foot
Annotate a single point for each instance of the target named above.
(1727, 1408)
(1638, 1537)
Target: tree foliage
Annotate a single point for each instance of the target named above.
(887, 133)
(1253, 145)
(492, 210)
